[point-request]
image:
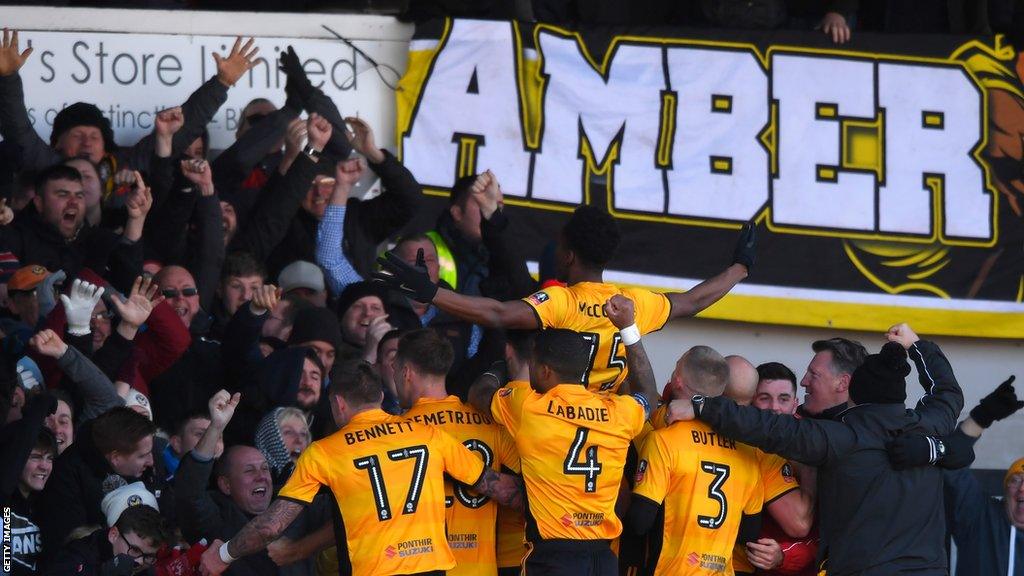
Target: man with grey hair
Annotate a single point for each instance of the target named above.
(827, 380)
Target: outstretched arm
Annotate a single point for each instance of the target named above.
(487, 312)
(706, 293)
(415, 282)
(253, 537)
(711, 290)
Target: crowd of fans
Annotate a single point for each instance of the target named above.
(191, 348)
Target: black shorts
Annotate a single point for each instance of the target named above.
(570, 558)
(510, 571)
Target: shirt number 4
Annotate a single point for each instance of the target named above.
(590, 467)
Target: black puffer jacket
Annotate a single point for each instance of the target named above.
(875, 521)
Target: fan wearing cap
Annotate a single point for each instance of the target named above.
(305, 280)
(129, 544)
(855, 477)
(22, 298)
(988, 531)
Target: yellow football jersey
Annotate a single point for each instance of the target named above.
(387, 474)
(471, 517)
(580, 307)
(572, 444)
(777, 480)
(707, 482)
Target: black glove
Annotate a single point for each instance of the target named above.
(744, 252)
(999, 404)
(120, 565)
(298, 89)
(413, 281)
(912, 450)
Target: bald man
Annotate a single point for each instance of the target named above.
(743, 379)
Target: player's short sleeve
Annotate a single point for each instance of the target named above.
(551, 305)
(460, 462)
(777, 476)
(653, 470)
(632, 413)
(307, 477)
(652, 310)
(506, 453)
(507, 405)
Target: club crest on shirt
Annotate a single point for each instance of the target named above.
(538, 298)
(641, 471)
(787, 472)
(505, 392)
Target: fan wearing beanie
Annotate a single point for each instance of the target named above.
(874, 518)
(881, 379)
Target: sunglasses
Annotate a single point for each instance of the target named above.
(173, 292)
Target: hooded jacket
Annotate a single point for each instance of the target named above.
(875, 521)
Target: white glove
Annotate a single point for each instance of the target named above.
(78, 308)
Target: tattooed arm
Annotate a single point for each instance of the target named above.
(641, 375)
(265, 528)
(505, 489)
(253, 537)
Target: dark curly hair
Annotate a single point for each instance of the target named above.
(593, 235)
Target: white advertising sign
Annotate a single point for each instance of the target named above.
(130, 77)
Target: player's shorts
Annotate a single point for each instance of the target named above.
(510, 571)
(571, 558)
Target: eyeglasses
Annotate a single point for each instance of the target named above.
(103, 316)
(173, 292)
(137, 553)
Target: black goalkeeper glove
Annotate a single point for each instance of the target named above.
(912, 450)
(999, 404)
(745, 252)
(413, 281)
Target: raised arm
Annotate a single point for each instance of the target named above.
(198, 514)
(331, 230)
(401, 194)
(15, 125)
(415, 283)
(92, 386)
(940, 407)
(708, 292)
(641, 375)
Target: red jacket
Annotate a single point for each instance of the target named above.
(164, 340)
